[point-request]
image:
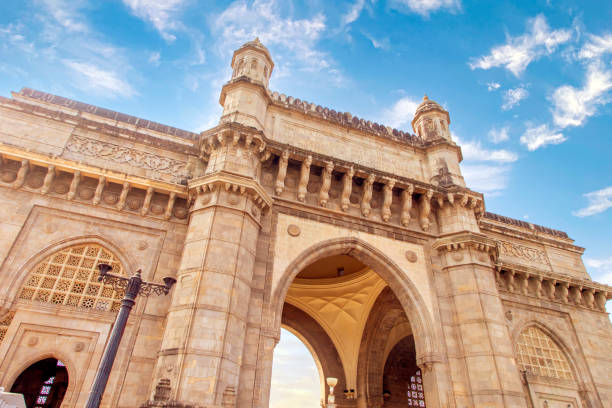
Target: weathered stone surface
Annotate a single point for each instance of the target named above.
(361, 239)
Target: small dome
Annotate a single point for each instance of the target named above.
(428, 105)
(255, 43)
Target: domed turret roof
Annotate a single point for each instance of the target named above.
(257, 45)
(428, 106)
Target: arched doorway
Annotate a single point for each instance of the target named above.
(291, 386)
(402, 379)
(43, 384)
(339, 292)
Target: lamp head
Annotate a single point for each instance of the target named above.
(332, 381)
(169, 282)
(104, 269)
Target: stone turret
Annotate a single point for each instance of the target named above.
(431, 121)
(244, 98)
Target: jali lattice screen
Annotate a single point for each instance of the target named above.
(69, 277)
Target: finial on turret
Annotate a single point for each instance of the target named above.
(425, 98)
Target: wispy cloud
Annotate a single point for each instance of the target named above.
(513, 97)
(519, 52)
(426, 7)
(489, 179)
(496, 135)
(572, 106)
(473, 151)
(540, 136)
(599, 201)
(354, 12)
(291, 38)
(596, 47)
(154, 58)
(67, 14)
(601, 269)
(485, 170)
(382, 43)
(291, 387)
(95, 79)
(161, 13)
(493, 86)
(400, 115)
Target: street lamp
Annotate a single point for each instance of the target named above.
(133, 287)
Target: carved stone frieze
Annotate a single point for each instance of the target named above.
(522, 252)
(178, 170)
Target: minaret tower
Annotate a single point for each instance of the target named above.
(244, 97)
(431, 121)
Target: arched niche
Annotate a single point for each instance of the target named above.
(404, 289)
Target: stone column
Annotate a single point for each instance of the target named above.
(202, 348)
(479, 346)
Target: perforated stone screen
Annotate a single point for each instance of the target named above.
(540, 355)
(70, 277)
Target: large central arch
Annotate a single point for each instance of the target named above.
(411, 301)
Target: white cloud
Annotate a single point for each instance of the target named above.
(599, 201)
(400, 115)
(473, 151)
(488, 179)
(291, 387)
(596, 47)
(519, 52)
(485, 170)
(354, 13)
(161, 13)
(540, 136)
(93, 78)
(376, 43)
(602, 269)
(499, 135)
(242, 22)
(572, 106)
(66, 14)
(154, 58)
(425, 7)
(493, 86)
(512, 97)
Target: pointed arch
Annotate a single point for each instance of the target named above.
(22, 272)
(404, 289)
(16, 370)
(66, 274)
(545, 366)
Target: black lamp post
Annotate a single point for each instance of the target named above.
(133, 287)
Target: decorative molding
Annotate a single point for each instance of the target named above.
(522, 252)
(136, 158)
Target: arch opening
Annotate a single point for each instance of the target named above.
(296, 372)
(43, 384)
(339, 287)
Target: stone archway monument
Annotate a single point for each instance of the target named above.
(363, 239)
(281, 183)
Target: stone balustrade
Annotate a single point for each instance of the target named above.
(60, 178)
(552, 287)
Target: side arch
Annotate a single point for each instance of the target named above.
(16, 369)
(18, 276)
(317, 340)
(403, 288)
(576, 372)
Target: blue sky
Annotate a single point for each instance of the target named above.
(528, 84)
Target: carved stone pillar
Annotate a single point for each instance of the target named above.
(204, 337)
(347, 186)
(325, 184)
(406, 205)
(304, 176)
(480, 350)
(367, 195)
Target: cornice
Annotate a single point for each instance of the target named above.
(235, 182)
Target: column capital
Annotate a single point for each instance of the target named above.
(454, 246)
(237, 183)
